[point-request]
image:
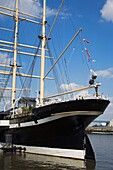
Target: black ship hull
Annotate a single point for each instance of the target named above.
(58, 126)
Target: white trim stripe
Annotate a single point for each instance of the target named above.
(64, 153)
(4, 122)
(55, 117)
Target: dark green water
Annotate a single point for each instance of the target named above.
(102, 144)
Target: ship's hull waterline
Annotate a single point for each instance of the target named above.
(61, 132)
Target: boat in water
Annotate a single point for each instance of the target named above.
(44, 124)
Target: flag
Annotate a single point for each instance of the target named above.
(91, 70)
(87, 54)
(84, 40)
(93, 60)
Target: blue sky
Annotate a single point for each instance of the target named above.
(96, 19)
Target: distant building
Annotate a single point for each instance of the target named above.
(110, 123)
(103, 124)
(99, 123)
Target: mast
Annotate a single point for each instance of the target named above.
(43, 53)
(15, 57)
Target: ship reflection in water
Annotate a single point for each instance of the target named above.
(11, 161)
(102, 144)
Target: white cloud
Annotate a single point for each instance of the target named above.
(84, 94)
(107, 10)
(32, 7)
(51, 12)
(108, 114)
(77, 95)
(111, 104)
(108, 73)
(4, 58)
(27, 6)
(67, 87)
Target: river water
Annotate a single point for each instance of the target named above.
(102, 144)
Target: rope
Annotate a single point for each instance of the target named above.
(54, 21)
(2, 92)
(30, 71)
(57, 80)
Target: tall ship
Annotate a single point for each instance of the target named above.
(48, 124)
